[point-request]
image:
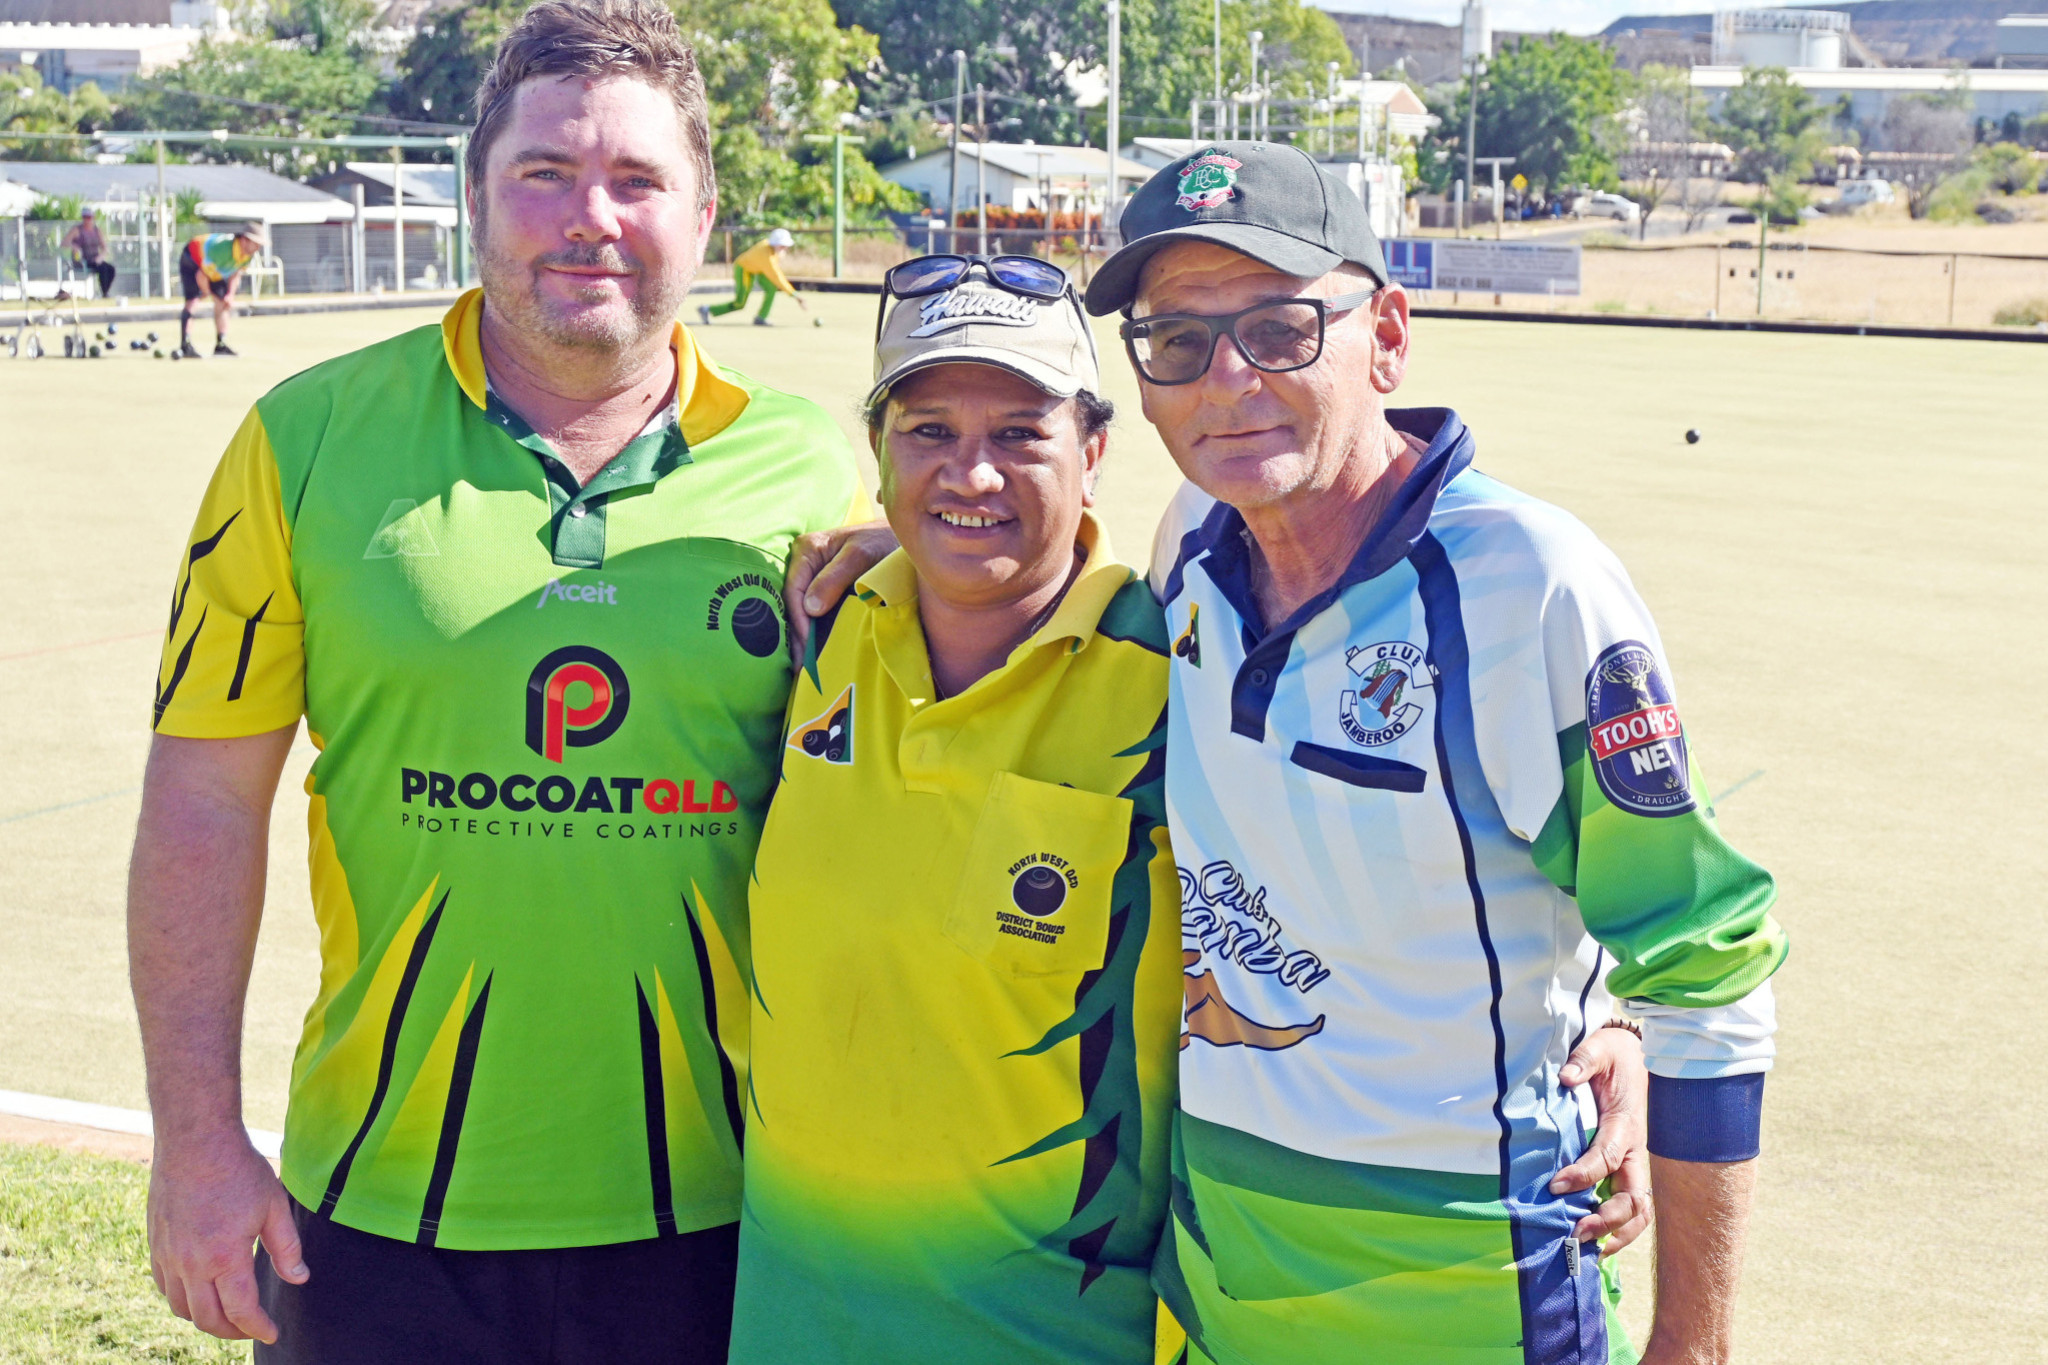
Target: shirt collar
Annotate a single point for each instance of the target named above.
(707, 402)
(893, 583)
(1449, 454)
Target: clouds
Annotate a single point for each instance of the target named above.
(1572, 16)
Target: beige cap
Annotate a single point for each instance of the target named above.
(1044, 341)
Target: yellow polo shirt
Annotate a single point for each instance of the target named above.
(759, 259)
(966, 962)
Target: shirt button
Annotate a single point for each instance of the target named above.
(1260, 677)
(578, 510)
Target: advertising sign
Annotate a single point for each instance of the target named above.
(1484, 267)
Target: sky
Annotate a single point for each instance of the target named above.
(1572, 16)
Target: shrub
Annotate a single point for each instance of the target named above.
(2027, 313)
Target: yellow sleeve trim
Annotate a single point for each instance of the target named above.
(234, 654)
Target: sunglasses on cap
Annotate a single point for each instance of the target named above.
(1276, 336)
(1026, 275)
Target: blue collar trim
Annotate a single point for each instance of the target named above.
(1222, 535)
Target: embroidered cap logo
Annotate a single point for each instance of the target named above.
(1207, 182)
(553, 722)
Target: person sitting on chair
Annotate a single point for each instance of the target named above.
(88, 250)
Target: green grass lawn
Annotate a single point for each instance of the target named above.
(74, 1266)
(1849, 575)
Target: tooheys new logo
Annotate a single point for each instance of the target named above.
(1633, 731)
(552, 722)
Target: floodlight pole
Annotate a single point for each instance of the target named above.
(398, 218)
(981, 169)
(1478, 41)
(1257, 39)
(1216, 60)
(1763, 237)
(163, 226)
(953, 186)
(838, 205)
(1114, 131)
(461, 146)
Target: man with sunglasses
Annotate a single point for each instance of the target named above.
(1431, 801)
(1425, 742)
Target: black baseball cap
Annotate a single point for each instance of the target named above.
(1271, 202)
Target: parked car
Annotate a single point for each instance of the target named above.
(1858, 194)
(1601, 204)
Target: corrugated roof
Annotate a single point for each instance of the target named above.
(103, 184)
(424, 184)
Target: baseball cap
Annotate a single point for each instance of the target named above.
(1270, 202)
(1043, 341)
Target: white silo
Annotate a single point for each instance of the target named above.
(1780, 37)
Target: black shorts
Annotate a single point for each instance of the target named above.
(188, 276)
(373, 1300)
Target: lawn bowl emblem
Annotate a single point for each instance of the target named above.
(1383, 708)
(1633, 733)
(1208, 181)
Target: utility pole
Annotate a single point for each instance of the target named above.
(981, 169)
(959, 102)
(1257, 39)
(1478, 47)
(1116, 42)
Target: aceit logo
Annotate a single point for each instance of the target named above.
(601, 594)
(575, 697)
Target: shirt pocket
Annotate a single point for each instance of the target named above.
(1033, 898)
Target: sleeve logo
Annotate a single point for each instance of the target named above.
(1632, 728)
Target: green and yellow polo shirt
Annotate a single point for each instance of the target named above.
(549, 718)
(966, 970)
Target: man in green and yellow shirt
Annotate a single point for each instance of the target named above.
(519, 574)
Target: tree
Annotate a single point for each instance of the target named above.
(2009, 168)
(1934, 132)
(1773, 125)
(1027, 53)
(1550, 103)
(778, 72)
(277, 88)
(441, 68)
(1657, 161)
(29, 106)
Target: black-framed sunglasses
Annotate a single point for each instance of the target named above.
(914, 279)
(1276, 336)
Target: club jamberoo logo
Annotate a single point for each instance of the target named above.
(554, 721)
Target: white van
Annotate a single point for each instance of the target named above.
(1857, 194)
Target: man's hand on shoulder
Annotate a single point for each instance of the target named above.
(210, 1201)
(823, 567)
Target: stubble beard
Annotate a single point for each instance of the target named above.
(513, 288)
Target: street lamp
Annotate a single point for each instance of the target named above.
(1257, 39)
